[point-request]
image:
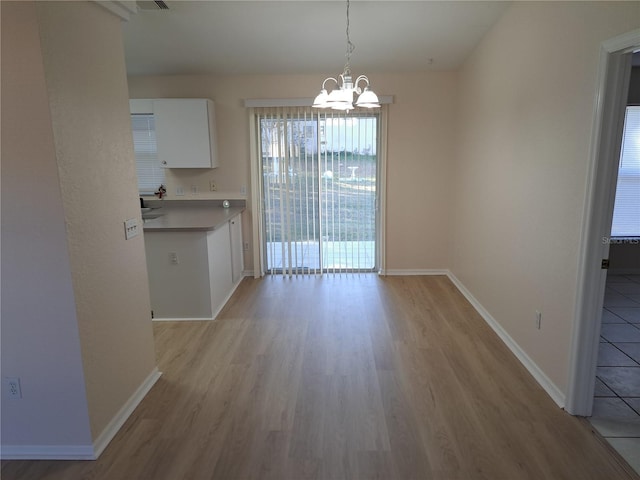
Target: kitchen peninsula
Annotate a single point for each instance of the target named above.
(194, 254)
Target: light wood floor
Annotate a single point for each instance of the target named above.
(345, 377)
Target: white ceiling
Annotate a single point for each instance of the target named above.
(267, 37)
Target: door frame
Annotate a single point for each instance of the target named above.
(257, 219)
(611, 98)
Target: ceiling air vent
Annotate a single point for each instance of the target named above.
(157, 5)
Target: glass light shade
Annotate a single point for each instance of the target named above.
(321, 99)
(342, 106)
(340, 99)
(347, 95)
(368, 99)
(336, 96)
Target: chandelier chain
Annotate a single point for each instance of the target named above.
(341, 97)
(350, 46)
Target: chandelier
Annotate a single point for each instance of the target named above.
(341, 97)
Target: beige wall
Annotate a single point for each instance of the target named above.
(525, 110)
(420, 146)
(40, 340)
(491, 159)
(76, 321)
(86, 79)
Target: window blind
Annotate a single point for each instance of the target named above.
(626, 212)
(150, 173)
(319, 182)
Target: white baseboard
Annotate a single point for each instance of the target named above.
(406, 272)
(125, 412)
(545, 382)
(82, 452)
(184, 319)
(47, 452)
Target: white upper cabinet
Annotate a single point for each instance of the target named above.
(141, 105)
(185, 131)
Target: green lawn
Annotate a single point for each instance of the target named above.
(347, 202)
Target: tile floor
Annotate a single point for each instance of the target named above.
(616, 406)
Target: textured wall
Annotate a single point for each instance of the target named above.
(87, 85)
(40, 341)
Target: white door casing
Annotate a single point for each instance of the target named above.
(611, 97)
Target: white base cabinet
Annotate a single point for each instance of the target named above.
(237, 249)
(191, 273)
(220, 275)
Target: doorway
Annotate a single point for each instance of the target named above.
(319, 190)
(613, 82)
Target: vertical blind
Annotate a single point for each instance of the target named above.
(150, 173)
(319, 174)
(626, 212)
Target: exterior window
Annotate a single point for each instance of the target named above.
(626, 213)
(150, 173)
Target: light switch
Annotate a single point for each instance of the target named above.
(131, 228)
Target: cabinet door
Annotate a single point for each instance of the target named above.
(213, 135)
(178, 290)
(182, 132)
(237, 260)
(219, 265)
(141, 105)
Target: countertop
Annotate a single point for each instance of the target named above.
(185, 217)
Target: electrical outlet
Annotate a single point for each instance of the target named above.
(246, 246)
(212, 186)
(194, 190)
(12, 386)
(179, 191)
(173, 258)
(243, 190)
(538, 319)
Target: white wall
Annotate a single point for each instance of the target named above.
(40, 340)
(420, 150)
(76, 321)
(525, 112)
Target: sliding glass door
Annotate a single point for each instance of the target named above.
(319, 190)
